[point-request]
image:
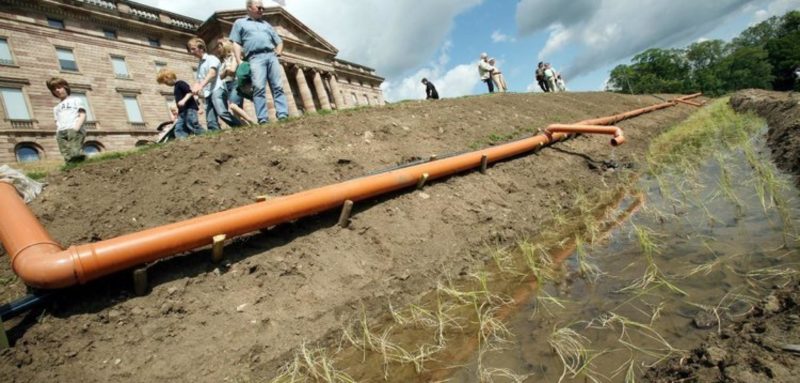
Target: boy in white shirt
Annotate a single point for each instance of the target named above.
(70, 114)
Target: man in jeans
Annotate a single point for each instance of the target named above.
(261, 46)
(209, 86)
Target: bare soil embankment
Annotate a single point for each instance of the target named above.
(302, 281)
(782, 112)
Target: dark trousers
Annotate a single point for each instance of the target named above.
(490, 84)
(543, 85)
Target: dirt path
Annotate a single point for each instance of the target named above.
(302, 281)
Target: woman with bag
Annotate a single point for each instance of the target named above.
(228, 70)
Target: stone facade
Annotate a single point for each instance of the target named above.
(110, 51)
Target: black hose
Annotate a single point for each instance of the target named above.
(21, 305)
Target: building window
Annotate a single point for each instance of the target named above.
(355, 99)
(91, 148)
(120, 67)
(66, 59)
(27, 152)
(55, 23)
(160, 65)
(154, 42)
(14, 104)
(5, 53)
(133, 110)
(85, 100)
(110, 34)
(366, 99)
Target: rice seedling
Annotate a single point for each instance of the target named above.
(576, 358)
(547, 302)
(538, 261)
(311, 365)
(488, 375)
(653, 274)
(633, 335)
(587, 270)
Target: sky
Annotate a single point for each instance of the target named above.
(406, 40)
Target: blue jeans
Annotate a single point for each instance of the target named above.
(219, 98)
(264, 67)
(187, 123)
(233, 95)
(212, 122)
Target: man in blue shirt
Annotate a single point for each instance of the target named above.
(261, 46)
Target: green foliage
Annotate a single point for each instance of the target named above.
(762, 56)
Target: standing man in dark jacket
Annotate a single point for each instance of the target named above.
(541, 79)
(430, 90)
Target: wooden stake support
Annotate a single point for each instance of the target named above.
(344, 217)
(484, 163)
(217, 247)
(422, 180)
(3, 337)
(261, 198)
(140, 281)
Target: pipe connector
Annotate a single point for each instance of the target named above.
(616, 132)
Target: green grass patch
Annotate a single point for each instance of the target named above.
(717, 126)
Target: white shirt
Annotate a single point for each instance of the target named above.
(204, 66)
(66, 113)
(484, 69)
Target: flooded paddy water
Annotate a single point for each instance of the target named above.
(697, 238)
(702, 248)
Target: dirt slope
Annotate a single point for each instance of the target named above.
(301, 281)
(782, 112)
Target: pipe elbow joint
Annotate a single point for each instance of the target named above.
(45, 265)
(618, 138)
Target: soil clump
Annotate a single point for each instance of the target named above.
(762, 347)
(301, 282)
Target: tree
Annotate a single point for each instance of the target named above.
(746, 67)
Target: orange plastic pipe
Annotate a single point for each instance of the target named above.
(618, 138)
(687, 102)
(42, 263)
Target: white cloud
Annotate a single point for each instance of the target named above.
(453, 82)
(607, 31)
(774, 8)
(390, 36)
(500, 37)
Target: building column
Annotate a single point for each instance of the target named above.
(337, 94)
(287, 90)
(324, 102)
(305, 93)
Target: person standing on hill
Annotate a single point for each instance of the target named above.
(186, 123)
(261, 47)
(540, 77)
(430, 90)
(485, 71)
(70, 114)
(497, 76)
(550, 77)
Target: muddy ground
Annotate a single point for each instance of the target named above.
(298, 282)
(763, 347)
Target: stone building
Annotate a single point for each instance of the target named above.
(110, 51)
